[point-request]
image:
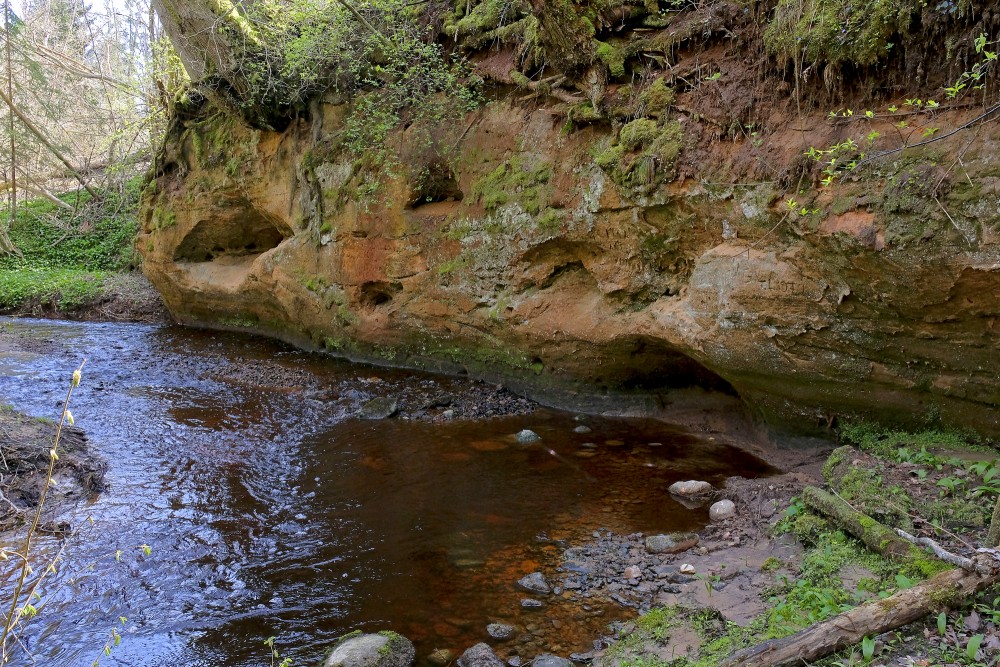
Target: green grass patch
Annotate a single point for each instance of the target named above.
(67, 254)
(61, 288)
(896, 445)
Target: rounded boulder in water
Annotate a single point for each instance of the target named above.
(691, 489)
(380, 649)
(527, 436)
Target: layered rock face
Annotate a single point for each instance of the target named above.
(521, 260)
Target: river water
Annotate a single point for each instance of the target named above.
(270, 509)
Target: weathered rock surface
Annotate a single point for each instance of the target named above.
(587, 294)
(381, 407)
(382, 649)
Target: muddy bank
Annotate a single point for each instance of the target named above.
(25, 443)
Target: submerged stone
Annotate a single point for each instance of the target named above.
(534, 583)
(440, 657)
(500, 631)
(527, 436)
(381, 407)
(548, 660)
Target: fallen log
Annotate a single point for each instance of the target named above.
(944, 590)
(875, 536)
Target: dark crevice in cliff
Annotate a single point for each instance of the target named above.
(437, 183)
(378, 293)
(644, 363)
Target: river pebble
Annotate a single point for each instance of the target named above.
(534, 583)
(500, 631)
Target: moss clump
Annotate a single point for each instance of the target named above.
(644, 155)
(514, 181)
(864, 489)
(807, 527)
(888, 443)
(838, 31)
(612, 57)
(657, 99)
(771, 564)
(550, 220)
(638, 133)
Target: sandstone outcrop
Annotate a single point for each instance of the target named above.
(523, 261)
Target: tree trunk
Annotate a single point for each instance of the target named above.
(208, 35)
(993, 536)
(874, 618)
(876, 537)
(213, 39)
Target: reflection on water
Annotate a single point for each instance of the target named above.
(271, 511)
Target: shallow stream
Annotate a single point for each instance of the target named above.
(271, 509)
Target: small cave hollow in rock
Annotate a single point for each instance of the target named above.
(437, 183)
(235, 233)
(644, 363)
(378, 293)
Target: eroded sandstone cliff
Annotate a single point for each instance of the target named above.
(527, 257)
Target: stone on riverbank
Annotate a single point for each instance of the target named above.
(691, 489)
(534, 583)
(672, 543)
(480, 655)
(722, 510)
(381, 649)
(380, 407)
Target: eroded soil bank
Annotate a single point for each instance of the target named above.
(25, 443)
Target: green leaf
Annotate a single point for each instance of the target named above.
(973, 646)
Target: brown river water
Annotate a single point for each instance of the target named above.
(271, 510)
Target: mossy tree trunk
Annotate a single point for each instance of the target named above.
(214, 39)
(876, 536)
